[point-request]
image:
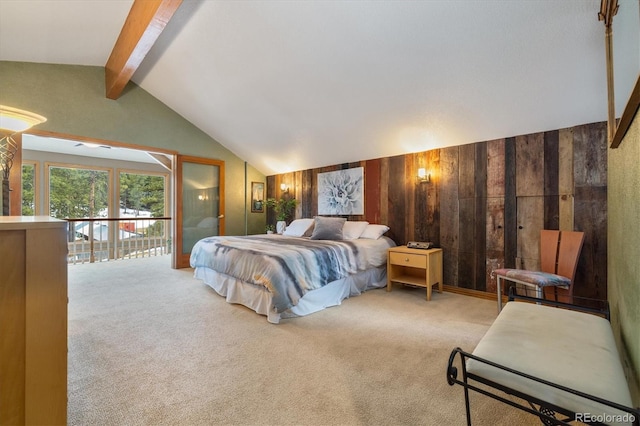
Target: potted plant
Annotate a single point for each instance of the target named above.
(270, 228)
(283, 208)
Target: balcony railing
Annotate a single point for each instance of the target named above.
(104, 239)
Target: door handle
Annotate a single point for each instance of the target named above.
(221, 216)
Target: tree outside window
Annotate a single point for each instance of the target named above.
(78, 193)
(28, 189)
(143, 195)
(139, 192)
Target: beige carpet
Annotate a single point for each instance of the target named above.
(149, 345)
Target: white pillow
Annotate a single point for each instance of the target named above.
(373, 232)
(298, 227)
(208, 222)
(353, 229)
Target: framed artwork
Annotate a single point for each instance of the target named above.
(341, 192)
(257, 197)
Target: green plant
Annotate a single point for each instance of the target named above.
(270, 228)
(283, 208)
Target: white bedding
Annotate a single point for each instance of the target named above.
(369, 273)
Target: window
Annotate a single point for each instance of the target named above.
(142, 193)
(76, 192)
(29, 189)
(112, 213)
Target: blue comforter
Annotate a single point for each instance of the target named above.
(288, 267)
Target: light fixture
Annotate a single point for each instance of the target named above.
(89, 145)
(423, 176)
(12, 121)
(284, 188)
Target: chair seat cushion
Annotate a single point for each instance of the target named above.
(540, 279)
(569, 348)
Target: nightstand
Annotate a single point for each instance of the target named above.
(416, 267)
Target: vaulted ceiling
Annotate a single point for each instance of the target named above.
(291, 85)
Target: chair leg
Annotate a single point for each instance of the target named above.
(499, 292)
(551, 293)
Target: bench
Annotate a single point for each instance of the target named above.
(555, 360)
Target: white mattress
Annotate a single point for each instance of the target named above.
(259, 299)
(568, 348)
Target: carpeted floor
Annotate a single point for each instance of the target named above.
(149, 345)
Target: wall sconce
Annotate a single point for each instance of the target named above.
(284, 188)
(423, 176)
(12, 121)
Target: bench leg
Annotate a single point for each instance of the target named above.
(547, 412)
(466, 405)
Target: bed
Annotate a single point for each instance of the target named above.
(284, 276)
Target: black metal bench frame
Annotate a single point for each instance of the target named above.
(545, 410)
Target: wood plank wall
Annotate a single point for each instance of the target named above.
(486, 202)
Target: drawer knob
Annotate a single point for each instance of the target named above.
(406, 259)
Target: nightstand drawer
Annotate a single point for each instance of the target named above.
(406, 259)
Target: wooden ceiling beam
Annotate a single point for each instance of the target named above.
(144, 24)
(162, 159)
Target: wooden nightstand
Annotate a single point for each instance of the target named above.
(417, 267)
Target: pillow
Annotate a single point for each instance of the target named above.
(373, 232)
(309, 230)
(208, 222)
(298, 227)
(353, 229)
(191, 222)
(327, 228)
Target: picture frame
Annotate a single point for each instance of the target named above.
(341, 192)
(257, 197)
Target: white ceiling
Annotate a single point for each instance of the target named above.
(292, 85)
(84, 149)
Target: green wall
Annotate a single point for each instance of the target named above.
(624, 250)
(73, 100)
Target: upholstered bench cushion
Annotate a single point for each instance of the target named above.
(541, 279)
(569, 348)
